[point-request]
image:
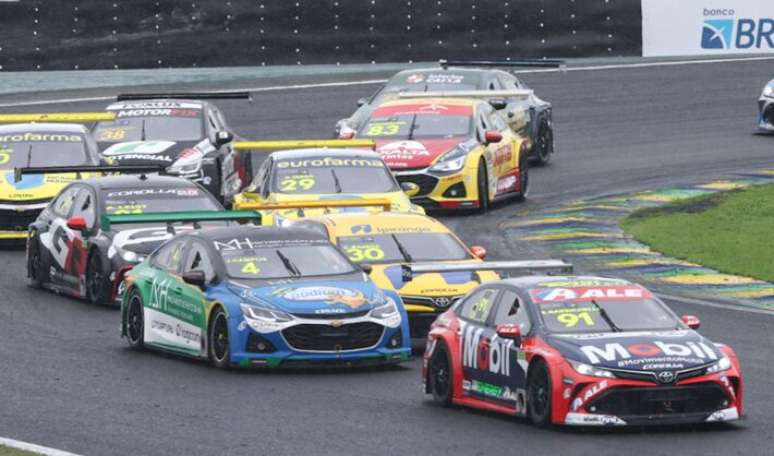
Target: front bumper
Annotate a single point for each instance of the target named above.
(15, 219)
(443, 191)
(765, 115)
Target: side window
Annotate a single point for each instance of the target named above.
(64, 202)
(494, 84)
(497, 120)
(509, 82)
(199, 260)
(169, 256)
(84, 205)
(476, 307)
(510, 311)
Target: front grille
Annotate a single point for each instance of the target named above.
(436, 302)
(17, 221)
(352, 336)
(649, 376)
(426, 183)
(331, 316)
(655, 401)
(419, 324)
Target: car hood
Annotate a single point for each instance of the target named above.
(430, 284)
(145, 152)
(411, 154)
(638, 351)
(315, 298)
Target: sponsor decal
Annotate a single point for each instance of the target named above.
(248, 243)
(156, 112)
(415, 78)
(330, 295)
(647, 353)
(506, 184)
(590, 392)
(138, 148)
(726, 30)
(422, 109)
(40, 137)
(403, 150)
(154, 105)
(445, 78)
(597, 293)
(356, 229)
(329, 162)
(482, 353)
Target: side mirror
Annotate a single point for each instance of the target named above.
(77, 223)
(362, 101)
(478, 252)
(492, 137)
(498, 103)
(346, 132)
(195, 278)
(691, 321)
(223, 137)
(367, 268)
(512, 332)
(409, 188)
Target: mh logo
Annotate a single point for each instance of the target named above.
(716, 34)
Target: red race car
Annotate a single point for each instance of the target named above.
(579, 351)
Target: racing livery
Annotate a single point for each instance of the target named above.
(188, 136)
(261, 297)
(75, 248)
(387, 240)
(303, 178)
(528, 115)
(459, 152)
(39, 144)
(575, 350)
(766, 109)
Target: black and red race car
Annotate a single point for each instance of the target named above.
(576, 350)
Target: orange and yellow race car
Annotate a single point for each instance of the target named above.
(310, 177)
(460, 152)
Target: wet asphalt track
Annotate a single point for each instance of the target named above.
(68, 381)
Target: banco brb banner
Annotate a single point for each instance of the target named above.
(707, 27)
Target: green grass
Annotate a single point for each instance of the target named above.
(7, 451)
(732, 232)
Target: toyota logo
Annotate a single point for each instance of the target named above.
(442, 302)
(666, 376)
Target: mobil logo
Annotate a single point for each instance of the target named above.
(721, 29)
(482, 353)
(617, 351)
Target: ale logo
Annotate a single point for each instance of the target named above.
(716, 33)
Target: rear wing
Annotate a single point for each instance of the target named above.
(186, 96)
(172, 217)
(408, 271)
(303, 144)
(385, 204)
(539, 63)
(122, 169)
(66, 117)
(468, 94)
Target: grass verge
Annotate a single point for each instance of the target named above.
(732, 232)
(8, 451)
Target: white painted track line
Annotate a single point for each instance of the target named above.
(32, 448)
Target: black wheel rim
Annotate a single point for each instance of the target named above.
(440, 375)
(94, 277)
(134, 320)
(220, 338)
(539, 397)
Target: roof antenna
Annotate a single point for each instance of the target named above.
(170, 228)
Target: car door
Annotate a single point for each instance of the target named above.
(506, 157)
(58, 239)
(192, 310)
(85, 205)
(520, 112)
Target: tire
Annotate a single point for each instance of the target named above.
(35, 261)
(135, 321)
(544, 145)
(539, 394)
(523, 179)
(97, 282)
(482, 181)
(218, 340)
(440, 376)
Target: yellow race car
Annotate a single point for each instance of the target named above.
(44, 144)
(305, 178)
(460, 152)
(388, 240)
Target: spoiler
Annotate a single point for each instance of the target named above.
(172, 217)
(186, 96)
(408, 271)
(67, 117)
(304, 143)
(124, 169)
(385, 204)
(468, 94)
(540, 63)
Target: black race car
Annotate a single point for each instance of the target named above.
(75, 248)
(529, 116)
(180, 131)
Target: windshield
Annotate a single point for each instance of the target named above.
(158, 199)
(332, 175)
(152, 128)
(397, 248)
(285, 261)
(428, 82)
(42, 149)
(411, 126)
(607, 309)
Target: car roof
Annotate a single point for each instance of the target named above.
(138, 181)
(434, 101)
(567, 281)
(43, 127)
(383, 222)
(317, 152)
(450, 69)
(263, 233)
(155, 102)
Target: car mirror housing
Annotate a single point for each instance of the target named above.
(223, 137)
(77, 223)
(509, 331)
(195, 278)
(491, 137)
(478, 252)
(691, 321)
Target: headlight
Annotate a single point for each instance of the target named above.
(264, 320)
(130, 256)
(388, 313)
(723, 364)
(188, 162)
(768, 91)
(451, 161)
(586, 369)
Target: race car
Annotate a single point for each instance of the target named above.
(459, 152)
(579, 351)
(262, 297)
(180, 131)
(766, 109)
(303, 178)
(76, 248)
(526, 113)
(388, 240)
(46, 143)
